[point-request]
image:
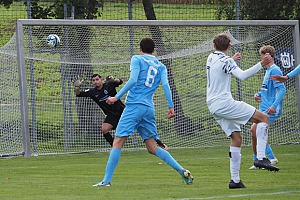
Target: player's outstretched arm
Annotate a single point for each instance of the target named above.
(168, 94)
(244, 75)
(134, 73)
(77, 83)
(281, 79)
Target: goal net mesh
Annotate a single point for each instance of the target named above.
(60, 122)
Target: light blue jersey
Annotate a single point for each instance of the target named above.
(294, 72)
(272, 93)
(146, 73)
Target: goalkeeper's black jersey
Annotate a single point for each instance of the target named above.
(100, 96)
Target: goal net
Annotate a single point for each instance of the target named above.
(40, 113)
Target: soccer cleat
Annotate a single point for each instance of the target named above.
(101, 183)
(265, 163)
(274, 161)
(187, 177)
(253, 167)
(233, 185)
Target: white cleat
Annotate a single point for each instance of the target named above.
(253, 167)
(100, 184)
(274, 161)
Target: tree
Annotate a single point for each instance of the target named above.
(259, 10)
(6, 3)
(182, 123)
(83, 9)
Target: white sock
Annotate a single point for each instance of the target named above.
(262, 138)
(235, 163)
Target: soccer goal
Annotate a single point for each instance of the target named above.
(41, 115)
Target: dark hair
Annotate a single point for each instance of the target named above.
(221, 41)
(95, 75)
(147, 45)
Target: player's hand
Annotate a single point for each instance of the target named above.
(257, 98)
(279, 79)
(110, 79)
(266, 59)
(166, 147)
(111, 100)
(171, 113)
(77, 82)
(271, 110)
(237, 56)
(162, 145)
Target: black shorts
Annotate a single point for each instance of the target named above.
(112, 120)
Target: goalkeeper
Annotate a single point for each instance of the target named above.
(100, 93)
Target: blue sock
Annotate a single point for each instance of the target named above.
(254, 156)
(166, 156)
(112, 163)
(269, 152)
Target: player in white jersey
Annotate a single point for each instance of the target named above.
(146, 74)
(229, 113)
(270, 98)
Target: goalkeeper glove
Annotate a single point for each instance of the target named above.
(110, 79)
(77, 82)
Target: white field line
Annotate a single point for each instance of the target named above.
(239, 195)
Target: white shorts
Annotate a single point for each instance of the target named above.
(231, 114)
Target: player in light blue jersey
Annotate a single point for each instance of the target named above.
(290, 75)
(270, 98)
(146, 74)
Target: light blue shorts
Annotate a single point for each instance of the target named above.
(137, 117)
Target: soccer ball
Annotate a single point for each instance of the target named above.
(53, 40)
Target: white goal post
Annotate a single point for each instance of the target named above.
(54, 121)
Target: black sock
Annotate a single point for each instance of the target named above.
(109, 138)
(160, 143)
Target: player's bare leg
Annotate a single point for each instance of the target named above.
(254, 143)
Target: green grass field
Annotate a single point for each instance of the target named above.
(140, 175)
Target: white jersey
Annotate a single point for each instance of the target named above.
(218, 71)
